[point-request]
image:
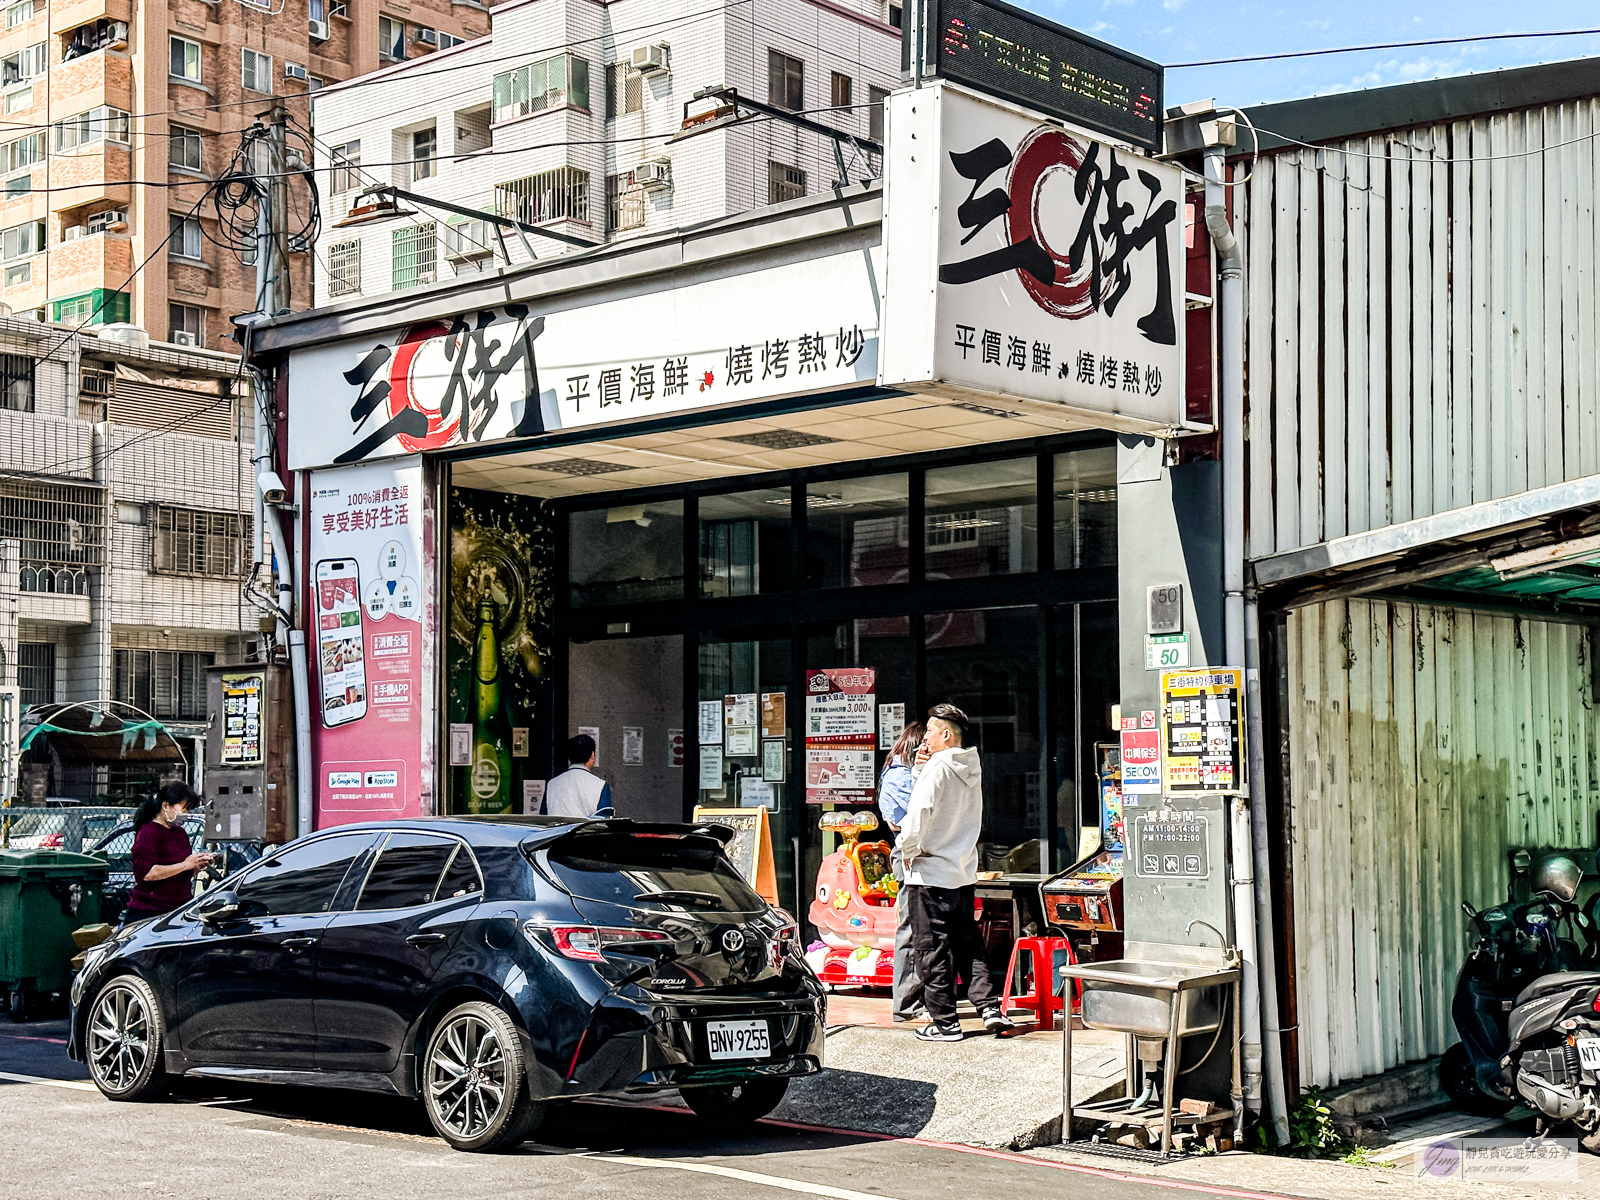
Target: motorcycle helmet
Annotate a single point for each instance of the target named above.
(1558, 876)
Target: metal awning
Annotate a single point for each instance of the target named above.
(105, 731)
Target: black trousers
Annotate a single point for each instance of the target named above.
(946, 941)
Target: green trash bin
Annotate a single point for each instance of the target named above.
(44, 896)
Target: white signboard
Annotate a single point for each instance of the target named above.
(1031, 261)
(787, 330)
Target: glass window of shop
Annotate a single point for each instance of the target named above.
(856, 531)
(625, 554)
(965, 614)
(982, 519)
(744, 543)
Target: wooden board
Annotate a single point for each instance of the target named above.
(751, 845)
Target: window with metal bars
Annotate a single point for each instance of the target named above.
(193, 542)
(624, 202)
(344, 268)
(164, 683)
(36, 672)
(16, 382)
(59, 525)
(559, 194)
(624, 90)
(414, 256)
(784, 183)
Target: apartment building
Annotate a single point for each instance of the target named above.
(118, 113)
(125, 487)
(579, 118)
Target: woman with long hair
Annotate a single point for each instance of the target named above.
(164, 863)
(894, 792)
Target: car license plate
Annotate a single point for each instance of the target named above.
(738, 1039)
(1589, 1053)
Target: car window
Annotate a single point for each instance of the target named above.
(407, 871)
(301, 879)
(461, 878)
(618, 867)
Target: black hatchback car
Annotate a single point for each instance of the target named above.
(488, 967)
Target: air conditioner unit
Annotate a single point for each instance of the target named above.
(654, 175)
(319, 30)
(72, 233)
(294, 71)
(110, 221)
(182, 337)
(467, 240)
(117, 35)
(650, 60)
(427, 37)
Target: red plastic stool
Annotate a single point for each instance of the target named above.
(1041, 997)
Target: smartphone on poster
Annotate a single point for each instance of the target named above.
(341, 642)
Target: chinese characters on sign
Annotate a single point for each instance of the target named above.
(841, 726)
(241, 716)
(1201, 730)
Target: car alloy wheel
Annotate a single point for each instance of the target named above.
(467, 1076)
(122, 1040)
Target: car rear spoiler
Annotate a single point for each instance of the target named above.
(553, 833)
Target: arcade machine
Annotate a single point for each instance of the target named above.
(1084, 902)
(853, 908)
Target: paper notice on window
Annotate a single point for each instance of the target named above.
(891, 724)
(532, 796)
(711, 767)
(632, 746)
(740, 710)
(710, 722)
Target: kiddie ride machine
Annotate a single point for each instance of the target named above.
(853, 908)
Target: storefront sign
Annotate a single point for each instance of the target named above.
(366, 591)
(1171, 846)
(1032, 261)
(786, 330)
(1141, 762)
(1201, 730)
(840, 705)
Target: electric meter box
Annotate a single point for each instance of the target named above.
(249, 754)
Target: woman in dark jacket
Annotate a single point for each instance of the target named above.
(164, 863)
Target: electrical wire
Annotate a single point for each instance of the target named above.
(1431, 161)
(1449, 41)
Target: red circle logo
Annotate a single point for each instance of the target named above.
(1042, 153)
(404, 391)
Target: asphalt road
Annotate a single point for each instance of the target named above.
(64, 1141)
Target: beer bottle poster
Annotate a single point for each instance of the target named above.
(365, 590)
(497, 650)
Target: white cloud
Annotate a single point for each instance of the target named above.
(1173, 5)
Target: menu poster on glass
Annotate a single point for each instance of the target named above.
(739, 711)
(774, 714)
(891, 724)
(840, 705)
(836, 774)
(772, 760)
(241, 716)
(710, 722)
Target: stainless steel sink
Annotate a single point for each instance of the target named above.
(1153, 999)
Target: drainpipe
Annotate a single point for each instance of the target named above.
(1246, 820)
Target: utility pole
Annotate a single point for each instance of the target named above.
(272, 298)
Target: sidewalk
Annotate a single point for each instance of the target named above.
(985, 1091)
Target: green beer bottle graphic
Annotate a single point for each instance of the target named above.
(489, 778)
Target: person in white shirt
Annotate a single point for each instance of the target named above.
(939, 846)
(577, 791)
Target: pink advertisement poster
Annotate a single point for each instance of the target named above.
(366, 577)
(841, 730)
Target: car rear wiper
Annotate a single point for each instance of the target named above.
(692, 899)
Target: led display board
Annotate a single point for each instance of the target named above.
(1017, 56)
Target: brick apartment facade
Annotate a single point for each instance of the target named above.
(102, 95)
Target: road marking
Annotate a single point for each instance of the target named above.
(772, 1181)
(77, 1085)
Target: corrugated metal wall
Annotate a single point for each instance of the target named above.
(1421, 336)
(1423, 743)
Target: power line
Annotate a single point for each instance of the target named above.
(1450, 41)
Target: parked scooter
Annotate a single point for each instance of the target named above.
(1523, 948)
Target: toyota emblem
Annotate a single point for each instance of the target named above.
(733, 940)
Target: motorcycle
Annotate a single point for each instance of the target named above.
(1523, 975)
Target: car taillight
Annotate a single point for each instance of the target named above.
(785, 939)
(588, 943)
(1596, 1005)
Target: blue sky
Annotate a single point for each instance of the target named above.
(1172, 31)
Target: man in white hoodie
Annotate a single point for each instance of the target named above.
(939, 846)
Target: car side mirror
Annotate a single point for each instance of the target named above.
(219, 909)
